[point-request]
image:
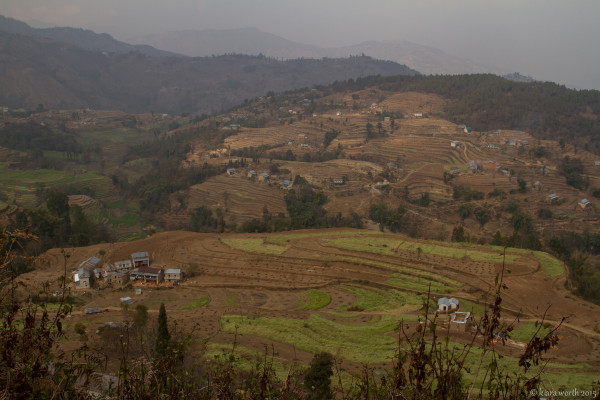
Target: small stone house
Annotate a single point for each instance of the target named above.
(141, 259)
(147, 274)
(552, 198)
(584, 203)
(116, 278)
(286, 185)
(460, 321)
(123, 265)
(84, 275)
(83, 280)
(174, 275)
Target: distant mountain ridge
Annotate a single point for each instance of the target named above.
(58, 75)
(252, 41)
(82, 38)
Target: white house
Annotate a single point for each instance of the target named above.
(584, 203)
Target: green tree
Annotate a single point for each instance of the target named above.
(140, 318)
(424, 200)
(497, 240)
(458, 234)
(483, 216)
(202, 219)
(318, 378)
(81, 227)
(369, 129)
(58, 205)
(522, 185)
(163, 337)
(464, 210)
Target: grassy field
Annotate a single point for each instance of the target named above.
(476, 309)
(405, 270)
(454, 252)
(385, 246)
(550, 265)
(254, 245)
(526, 331)
(363, 343)
(196, 303)
(284, 239)
(20, 185)
(389, 246)
(232, 299)
(405, 281)
(245, 359)
(378, 300)
(510, 364)
(315, 299)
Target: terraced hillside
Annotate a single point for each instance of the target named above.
(410, 152)
(342, 291)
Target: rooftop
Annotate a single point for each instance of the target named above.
(147, 270)
(140, 254)
(460, 317)
(173, 271)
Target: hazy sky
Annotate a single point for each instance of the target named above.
(548, 39)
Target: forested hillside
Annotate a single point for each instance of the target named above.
(56, 75)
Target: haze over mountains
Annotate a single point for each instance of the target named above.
(99, 72)
(82, 38)
(252, 41)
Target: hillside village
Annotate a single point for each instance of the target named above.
(136, 270)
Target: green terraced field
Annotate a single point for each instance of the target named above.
(254, 245)
(363, 343)
(315, 299)
(21, 185)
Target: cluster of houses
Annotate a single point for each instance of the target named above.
(553, 198)
(137, 269)
(286, 184)
(475, 165)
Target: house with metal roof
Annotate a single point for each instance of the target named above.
(123, 265)
(84, 276)
(174, 275)
(286, 184)
(584, 203)
(147, 274)
(446, 304)
(141, 259)
(116, 278)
